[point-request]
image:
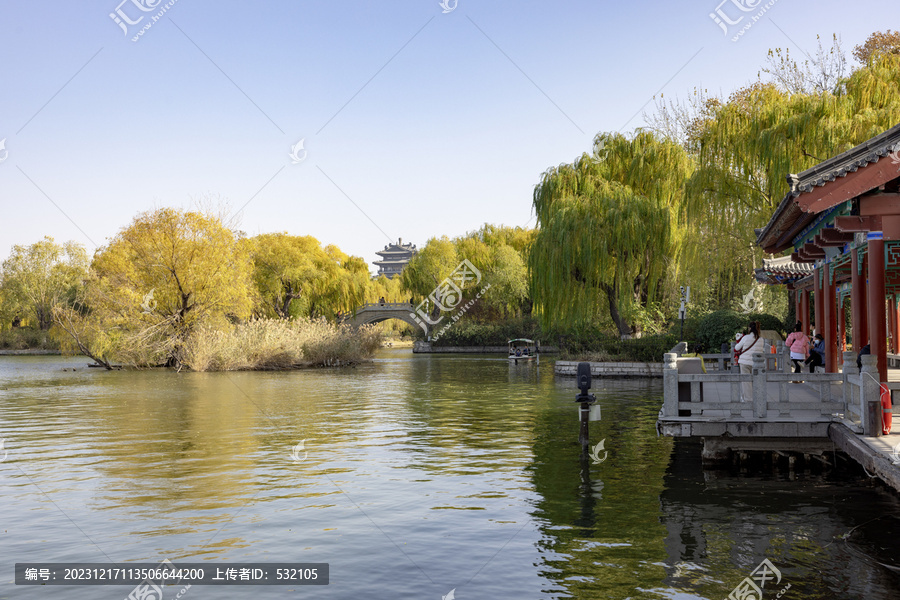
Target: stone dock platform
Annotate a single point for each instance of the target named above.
(779, 411)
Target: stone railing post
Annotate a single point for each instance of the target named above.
(670, 384)
(784, 356)
(679, 349)
(871, 396)
(850, 374)
(784, 352)
(760, 393)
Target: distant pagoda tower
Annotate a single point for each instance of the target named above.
(394, 257)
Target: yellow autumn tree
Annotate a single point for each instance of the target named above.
(162, 277)
(37, 278)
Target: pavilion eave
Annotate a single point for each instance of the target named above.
(830, 184)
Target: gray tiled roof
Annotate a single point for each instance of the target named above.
(784, 264)
(788, 212)
(869, 151)
(782, 270)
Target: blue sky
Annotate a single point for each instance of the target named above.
(416, 123)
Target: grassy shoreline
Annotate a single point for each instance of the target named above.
(258, 345)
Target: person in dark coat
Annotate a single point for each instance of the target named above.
(867, 349)
(816, 354)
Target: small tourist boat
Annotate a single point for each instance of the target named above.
(523, 349)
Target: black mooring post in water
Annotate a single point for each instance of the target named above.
(584, 384)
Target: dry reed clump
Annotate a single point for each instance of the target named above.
(279, 344)
(326, 344)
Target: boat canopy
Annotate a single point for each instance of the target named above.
(527, 341)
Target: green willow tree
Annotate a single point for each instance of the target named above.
(499, 254)
(611, 233)
(752, 142)
(502, 268)
(295, 276)
(37, 278)
(390, 289)
(747, 146)
(431, 265)
(347, 290)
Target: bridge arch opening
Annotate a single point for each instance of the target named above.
(378, 312)
(373, 320)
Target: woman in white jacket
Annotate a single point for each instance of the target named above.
(748, 345)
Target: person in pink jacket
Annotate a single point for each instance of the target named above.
(799, 345)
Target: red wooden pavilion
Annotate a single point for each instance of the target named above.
(841, 222)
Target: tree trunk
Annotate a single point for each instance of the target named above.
(612, 297)
(285, 311)
(289, 296)
(527, 307)
(642, 298)
(63, 319)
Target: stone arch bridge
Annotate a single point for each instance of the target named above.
(375, 312)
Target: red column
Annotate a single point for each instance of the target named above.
(858, 319)
(895, 330)
(829, 321)
(892, 325)
(804, 310)
(842, 329)
(817, 299)
(877, 328)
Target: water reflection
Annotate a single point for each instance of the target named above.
(827, 530)
(420, 474)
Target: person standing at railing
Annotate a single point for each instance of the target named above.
(867, 349)
(817, 354)
(748, 345)
(799, 345)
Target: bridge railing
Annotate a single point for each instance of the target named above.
(780, 360)
(403, 305)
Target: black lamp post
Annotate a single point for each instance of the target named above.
(584, 384)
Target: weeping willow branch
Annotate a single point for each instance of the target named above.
(613, 228)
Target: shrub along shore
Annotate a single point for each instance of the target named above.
(256, 345)
(268, 344)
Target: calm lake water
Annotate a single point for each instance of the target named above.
(418, 475)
